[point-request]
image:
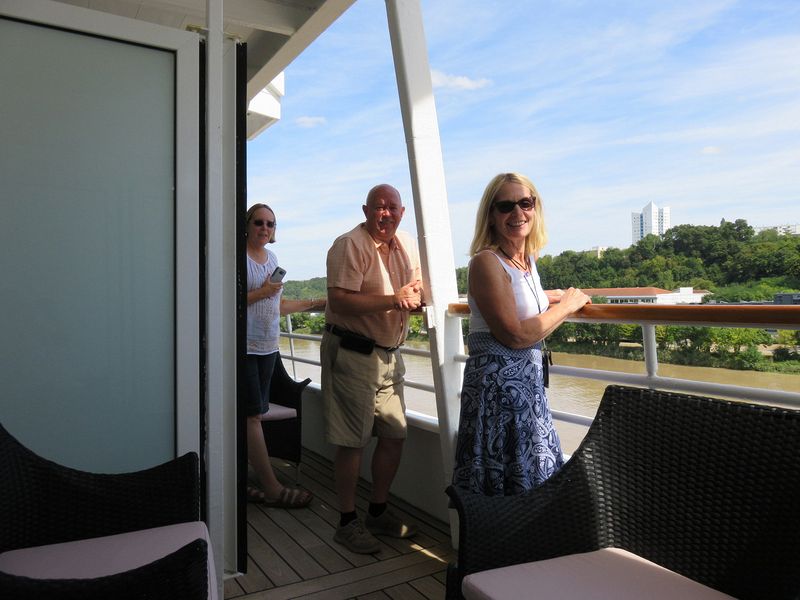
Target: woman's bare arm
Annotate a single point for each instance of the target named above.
(490, 287)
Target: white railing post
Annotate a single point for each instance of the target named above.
(650, 350)
(291, 344)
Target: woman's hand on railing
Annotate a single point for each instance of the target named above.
(574, 300)
(719, 315)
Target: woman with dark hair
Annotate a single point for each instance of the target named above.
(506, 440)
(264, 309)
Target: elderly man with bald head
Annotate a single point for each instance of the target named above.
(374, 281)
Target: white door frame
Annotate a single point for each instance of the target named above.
(187, 306)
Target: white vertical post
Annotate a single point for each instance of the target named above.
(415, 89)
(650, 350)
(291, 345)
(216, 289)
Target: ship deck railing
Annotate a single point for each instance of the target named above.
(647, 317)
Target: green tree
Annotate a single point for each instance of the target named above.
(749, 359)
(564, 334)
(645, 249)
(461, 279)
(789, 337)
(416, 326)
(315, 287)
(735, 340)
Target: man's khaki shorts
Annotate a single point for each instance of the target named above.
(362, 394)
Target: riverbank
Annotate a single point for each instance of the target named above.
(750, 359)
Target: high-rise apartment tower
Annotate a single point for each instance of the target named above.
(651, 220)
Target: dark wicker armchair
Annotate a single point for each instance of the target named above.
(284, 433)
(707, 488)
(44, 503)
(179, 575)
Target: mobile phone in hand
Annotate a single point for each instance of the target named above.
(277, 275)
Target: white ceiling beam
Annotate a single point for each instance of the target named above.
(265, 15)
(310, 30)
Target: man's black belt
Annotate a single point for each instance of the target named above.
(356, 341)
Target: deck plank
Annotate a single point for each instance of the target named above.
(404, 592)
(254, 580)
(290, 550)
(361, 580)
(232, 589)
(320, 482)
(430, 587)
(320, 478)
(291, 553)
(304, 526)
(268, 559)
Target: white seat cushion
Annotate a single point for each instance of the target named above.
(607, 574)
(278, 412)
(98, 557)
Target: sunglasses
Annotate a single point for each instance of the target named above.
(262, 222)
(506, 206)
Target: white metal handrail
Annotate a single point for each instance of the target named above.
(647, 317)
(660, 316)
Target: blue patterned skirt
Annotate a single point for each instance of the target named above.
(506, 440)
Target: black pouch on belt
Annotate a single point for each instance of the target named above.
(357, 343)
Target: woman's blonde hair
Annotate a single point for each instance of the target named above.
(486, 237)
(251, 213)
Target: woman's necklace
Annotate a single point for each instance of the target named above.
(522, 267)
(547, 356)
(525, 268)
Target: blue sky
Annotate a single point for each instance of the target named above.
(606, 106)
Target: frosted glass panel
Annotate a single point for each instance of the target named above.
(87, 247)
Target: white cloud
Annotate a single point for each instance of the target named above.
(456, 82)
(309, 122)
(692, 104)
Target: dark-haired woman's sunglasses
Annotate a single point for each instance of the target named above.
(262, 222)
(506, 206)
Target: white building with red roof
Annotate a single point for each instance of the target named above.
(648, 295)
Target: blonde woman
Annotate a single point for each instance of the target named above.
(506, 440)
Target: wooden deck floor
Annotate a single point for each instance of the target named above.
(291, 553)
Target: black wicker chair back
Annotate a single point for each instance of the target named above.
(284, 438)
(707, 488)
(42, 502)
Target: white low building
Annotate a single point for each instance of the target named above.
(649, 295)
(785, 229)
